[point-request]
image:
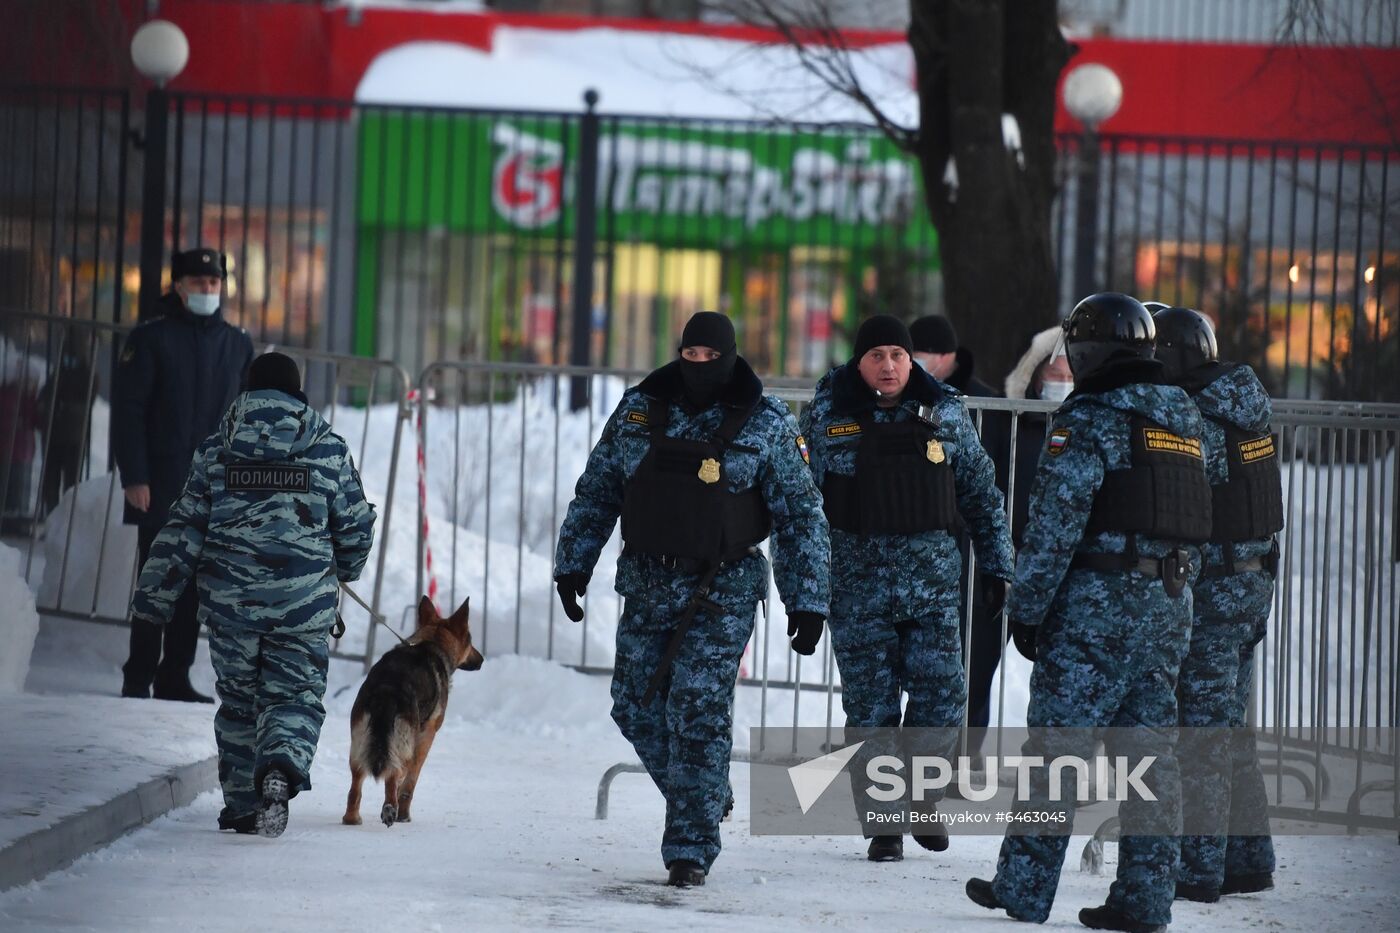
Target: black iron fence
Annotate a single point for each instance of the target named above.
(436, 234)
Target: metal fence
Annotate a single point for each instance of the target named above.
(60, 494)
(435, 234)
(502, 449)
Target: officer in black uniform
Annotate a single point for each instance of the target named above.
(175, 378)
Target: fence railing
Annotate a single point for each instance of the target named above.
(60, 493)
(423, 234)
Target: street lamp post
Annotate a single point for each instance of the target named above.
(159, 50)
(1092, 94)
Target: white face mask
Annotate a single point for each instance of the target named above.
(202, 304)
(1053, 390)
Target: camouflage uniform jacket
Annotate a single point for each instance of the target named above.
(1090, 435)
(767, 453)
(264, 560)
(902, 576)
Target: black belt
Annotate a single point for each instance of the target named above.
(1118, 563)
(1252, 565)
(696, 564)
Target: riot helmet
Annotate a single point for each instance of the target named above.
(1104, 328)
(1185, 340)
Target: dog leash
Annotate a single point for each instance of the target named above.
(376, 617)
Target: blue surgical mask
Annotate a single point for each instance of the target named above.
(1054, 390)
(202, 304)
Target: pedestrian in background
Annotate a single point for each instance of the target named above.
(175, 378)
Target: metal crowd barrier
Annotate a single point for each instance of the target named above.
(503, 446)
(55, 381)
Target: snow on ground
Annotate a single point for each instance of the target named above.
(636, 73)
(19, 622)
(504, 838)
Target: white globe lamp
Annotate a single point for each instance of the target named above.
(160, 51)
(1092, 93)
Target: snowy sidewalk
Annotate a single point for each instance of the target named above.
(504, 838)
(78, 765)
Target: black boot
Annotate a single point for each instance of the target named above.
(980, 893)
(1248, 884)
(1111, 918)
(180, 690)
(1196, 892)
(135, 690)
(685, 874)
(244, 825)
(936, 839)
(276, 791)
(886, 849)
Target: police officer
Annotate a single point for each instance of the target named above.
(175, 379)
(1221, 783)
(900, 465)
(701, 466)
(1101, 595)
(272, 518)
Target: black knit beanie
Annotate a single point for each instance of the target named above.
(275, 371)
(708, 329)
(882, 330)
(933, 334)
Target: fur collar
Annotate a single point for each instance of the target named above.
(743, 390)
(850, 395)
(1018, 381)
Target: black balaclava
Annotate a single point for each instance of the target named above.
(703, 382)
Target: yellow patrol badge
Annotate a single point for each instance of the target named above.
(1258, 449)
(1159, 439)
(1058, 442)
(709, 470)
(802, 449)
(934, 452)
(637, 417)
(841, 430)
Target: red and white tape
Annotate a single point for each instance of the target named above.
(416, 400)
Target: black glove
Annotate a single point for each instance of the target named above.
(993, 593)
(1024, 636)
(805, 630)
(570, 587)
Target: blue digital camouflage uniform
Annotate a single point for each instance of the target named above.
(683, 736)
(1220, 777)
(267, 564)
(1110, 645)
(894, 598)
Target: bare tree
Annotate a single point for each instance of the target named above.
(977, 62)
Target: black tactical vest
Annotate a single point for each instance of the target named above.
(903, 483)
(678, 503)
(1250, 504)
(1164, 494)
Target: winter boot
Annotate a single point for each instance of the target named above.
(886, 849)
(245, 824)
(276, 791)
(936, 839)
(685, 874)
(134, 690)
(180, 690)
(980, 892)
(1196, 892)
(1248, 884)
(1111, 918)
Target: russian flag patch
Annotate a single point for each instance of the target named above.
(1059, 440)
(802, 449)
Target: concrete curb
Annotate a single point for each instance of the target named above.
(31, 857)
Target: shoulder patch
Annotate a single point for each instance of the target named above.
(842, 430)
(636, 417)
(802, 449)
(1261, 448)
(128, 354)
(1058, 442)
(1161, 439)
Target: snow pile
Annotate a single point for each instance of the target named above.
(16, 365)
(637, 73)
(89, 555)
(19, 622)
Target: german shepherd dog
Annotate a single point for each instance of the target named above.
(400, 708)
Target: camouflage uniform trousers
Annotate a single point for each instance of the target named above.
(1221, 782)
(685, 734)
(1110, 650)
(270, 687)
(880, 660)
